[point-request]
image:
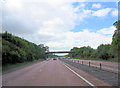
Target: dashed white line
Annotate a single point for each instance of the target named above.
(81, 77)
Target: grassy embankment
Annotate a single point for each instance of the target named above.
(110, 60)
(12, 66)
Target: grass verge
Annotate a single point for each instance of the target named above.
(97, 59)
(12, 66)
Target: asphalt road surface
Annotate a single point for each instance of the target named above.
(50, 73)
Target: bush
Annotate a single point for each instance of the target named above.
(18, 50)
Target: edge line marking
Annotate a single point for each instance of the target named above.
(80, 76)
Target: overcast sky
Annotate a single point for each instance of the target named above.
(60, 24)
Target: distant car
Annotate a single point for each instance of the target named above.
(64, 57)
(47, 59)
(54, 59)
(68, 57)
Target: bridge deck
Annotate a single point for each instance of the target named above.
(61, 52)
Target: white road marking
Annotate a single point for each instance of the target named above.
(81, 77)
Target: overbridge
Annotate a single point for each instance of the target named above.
(60, 52)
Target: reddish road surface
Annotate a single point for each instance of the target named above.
(49, 73)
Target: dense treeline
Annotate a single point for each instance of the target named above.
(0, 49)
(18, 50)
(103, 51)
(116, 41)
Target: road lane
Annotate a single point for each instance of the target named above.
(91, 78)
(47, 73)
(15, 75)
(81, 77)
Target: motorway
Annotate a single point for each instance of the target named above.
(50, 73)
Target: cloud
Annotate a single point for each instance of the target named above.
(0, 18)
(115, 12)
(80, 6)
(23, 17)
(50, 22)
(109, 30)
(96, 5)
(82, 38)
(84, 14)
(101, 12)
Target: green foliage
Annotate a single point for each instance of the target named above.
(103, 51)
(115, 49)
(18, 50)
(94, 54)
(19, 65)
(0, 47)
(83, 52)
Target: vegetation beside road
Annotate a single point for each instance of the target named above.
(12, 66)
(110, 52)
(18, 50)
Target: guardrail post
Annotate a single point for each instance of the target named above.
(78, 61)
(89, 64)
(100, 66)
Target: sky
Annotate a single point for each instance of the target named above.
(61, 24)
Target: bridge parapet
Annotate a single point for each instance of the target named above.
(60, 52)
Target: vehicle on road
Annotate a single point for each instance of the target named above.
(68, 57)
(54, 59)
(47, 59)
(64, 57)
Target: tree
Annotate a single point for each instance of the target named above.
(94, 54)
(18, 50)
(103, 51)
(115, 46)
(86, 53)
(82, 52)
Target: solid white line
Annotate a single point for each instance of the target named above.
(81, 77)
